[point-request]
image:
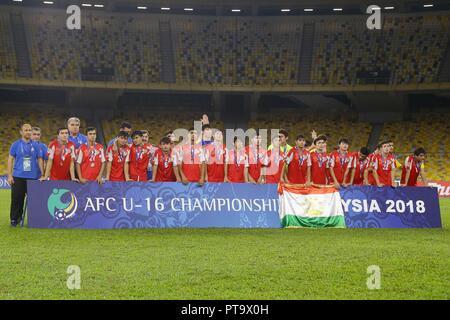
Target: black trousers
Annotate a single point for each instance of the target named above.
(18, 191)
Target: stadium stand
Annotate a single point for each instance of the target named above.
(334, 128)
(431, 131)
(129, 46)
(152, 122)
(8, 67)
(240, 50)
(411, 47)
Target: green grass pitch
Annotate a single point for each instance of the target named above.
(224, 263)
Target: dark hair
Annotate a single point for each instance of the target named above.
(343, 140)
(300, 137)
(365, 151)
(388, 141)
(168, 133)
(136, 133)
(235, 139)
(89, 129)
(192, 129)
(61, 129)
(165, 140)
(378, 146)
(122, 134)
(419, 151)
(206, 126)
(125, 125)
(284, 132)
(307, 143)
(320, 137)
(382, 143)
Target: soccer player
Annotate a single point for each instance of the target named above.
(235, 160)
(137, 161)
(283, 136)
(256, 158)
(61, 158)
(275, 162)
(152, 149)
(215, 159)
(125, 126)
(413, 168)
(339, 161)
(298, 164)
(190, 160)
(319, 162)
(369, 169)
(36, 136)
(355, 169)
(91, 159)
(206, 135)
(384, 167)
(117, 154)
(73, 124)
(24, 163)
(163, 163)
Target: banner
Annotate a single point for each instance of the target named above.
(387, 207)
(4, 183)
(442, 186)
(64, 204)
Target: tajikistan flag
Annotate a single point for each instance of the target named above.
(311, 207)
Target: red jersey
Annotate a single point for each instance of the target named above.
(164, 163)
(319, 167)
(274, 166)
(339, 163)
(117, 159)
(298, 162)
(215, 162)
(358, 165)
(235, 165)
(138, 160)
(256, 158)
(384, 167)
(62, 156)
(190, 157)
(90, 159)
(415, 167)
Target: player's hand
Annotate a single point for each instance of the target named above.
(76, 180)
(184, 181)
(201, 182)
(313, 134)
(100, 180)
(380, 185)
(337, 186)
(226, 180)
(129, 180)
(11, 180)
(81, 180)
(308, 184)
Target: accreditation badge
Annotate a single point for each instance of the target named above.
(27, 164)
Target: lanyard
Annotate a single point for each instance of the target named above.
(218, 152)
(418, 166)
(236, 162)
(165, 160)
(192, 154)
(343, 159)
(301, 159)
(320, 158)
(385, 163)
(26, 152)
(139, 151)
(92, 152)
(121, 154)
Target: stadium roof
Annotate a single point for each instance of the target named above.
(240, 7)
